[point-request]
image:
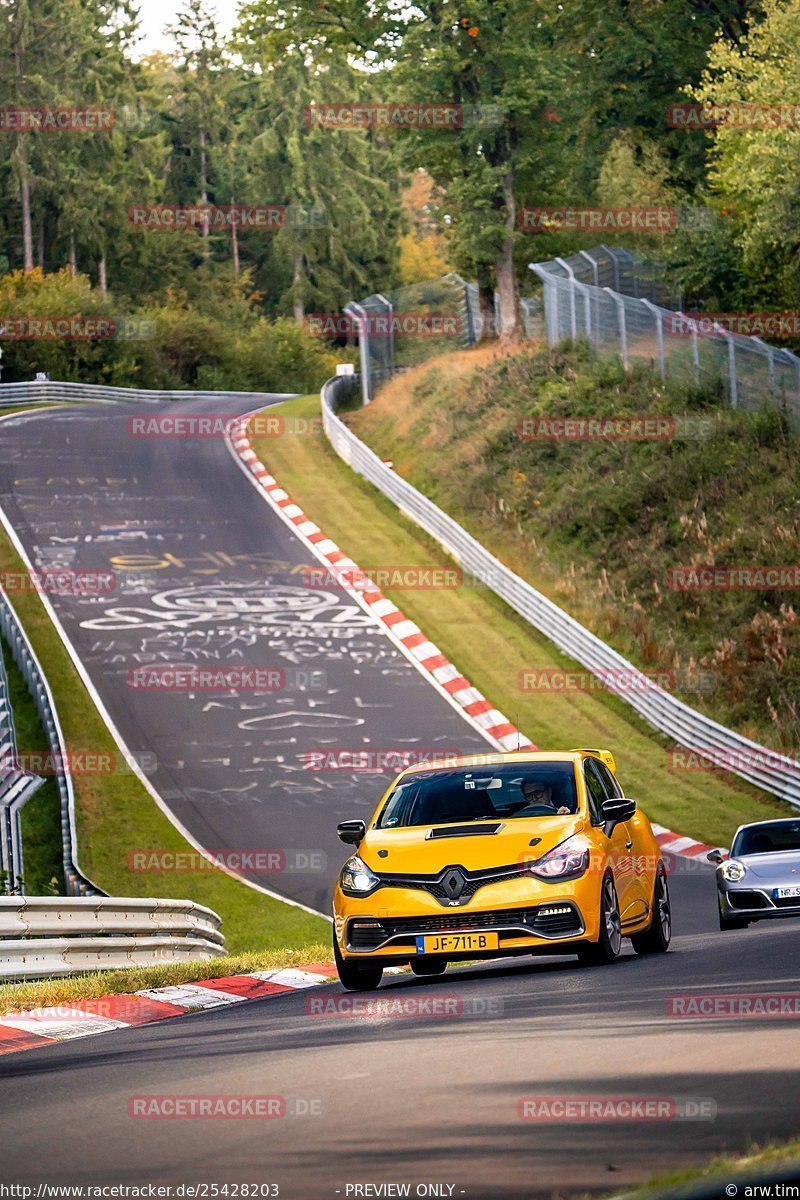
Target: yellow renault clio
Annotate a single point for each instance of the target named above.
(495, 855)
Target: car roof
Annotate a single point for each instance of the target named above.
(771, 821)
(497, 759)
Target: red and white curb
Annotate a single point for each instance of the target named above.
(675, 843)
(407, 635)
(81, 1018)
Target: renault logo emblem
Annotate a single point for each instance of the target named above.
(454, 884)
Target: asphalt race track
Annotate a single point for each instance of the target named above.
(420, 1098)
(207, 576)
(429, 1091)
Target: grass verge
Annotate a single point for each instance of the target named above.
(490, 644)
(611, 527)
(755, 1162)
(116, 814)
(17, 997)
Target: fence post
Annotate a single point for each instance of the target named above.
(770, 361)
(593, 263)
(659, 336)
(390, 350)
(356, 311)
(623, 329)
(573, 316)
(733, 382)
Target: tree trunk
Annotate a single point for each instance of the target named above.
(298, 307)
(25, 194)
(21, 149)
(234, 237)
(204, 188)
(40, 244)
(504, 268)
(101, 273)
(73, 261)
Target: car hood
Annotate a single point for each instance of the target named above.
(411, 851)
(776, 866)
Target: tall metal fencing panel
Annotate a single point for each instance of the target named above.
(687, 350)
(408, 325)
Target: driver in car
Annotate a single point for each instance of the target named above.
(541, 794)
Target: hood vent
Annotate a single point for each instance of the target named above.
(450, 831)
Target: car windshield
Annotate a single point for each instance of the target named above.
(439, 797)
(769, 838)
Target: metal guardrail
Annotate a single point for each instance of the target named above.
(53, 935)
(55, 391)
(16, 789)
(25, 658)
(757, 764)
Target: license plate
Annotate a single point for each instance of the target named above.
(451, 943)
(786, 893)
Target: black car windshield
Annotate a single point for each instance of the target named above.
(481, 794)
(769, 838)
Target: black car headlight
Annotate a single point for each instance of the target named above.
(356, 878)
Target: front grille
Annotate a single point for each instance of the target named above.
(547, 920)
(474, 881)
(744, 899)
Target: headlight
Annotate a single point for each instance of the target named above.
(733, 871)
(356, 878)
(567, 861)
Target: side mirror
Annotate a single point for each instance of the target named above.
(715, 856)
(351, 832)
(616, 811)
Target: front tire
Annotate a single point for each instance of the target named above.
(425, 968)
(656, 937)
(609, 945)
(356, 977)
